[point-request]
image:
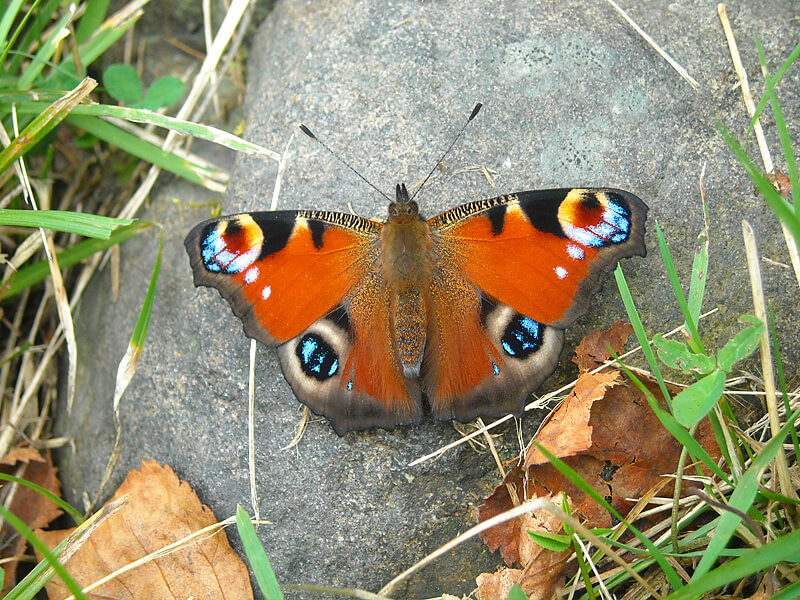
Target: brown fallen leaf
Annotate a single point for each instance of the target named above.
(161, 510)
(780, 182)
(542, 570)
(606, 432)
(593, 351)
(496, 586)
(573, 417)
(34, 509)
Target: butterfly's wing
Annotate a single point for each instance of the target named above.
(482, 358)
(345, 366)
(308, 281)
(529, 264)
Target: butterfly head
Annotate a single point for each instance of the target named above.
(403, 206)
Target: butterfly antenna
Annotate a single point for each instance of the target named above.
(450, 147)
(310, 134)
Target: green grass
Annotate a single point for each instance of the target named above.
(51, 113)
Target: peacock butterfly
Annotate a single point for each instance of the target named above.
(463, 313)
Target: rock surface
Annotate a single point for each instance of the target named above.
(573, 96)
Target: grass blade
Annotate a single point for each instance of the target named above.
(697, 282)
(10, 13)
(641, 336)
(36, 579)
(141, 149)
(127, 366)
(753, 561)
(46, 50)
(10, 43)
(695, 342)
(63, 505)
(782, 209)
(776, 348)
(205, 132)
(43, 17)
(92, 19)
(742, 499)
(257, 557)
(770, 86)
(85, 224)
(110, 31)
(780, 125)
(22, 528)
(44, 123)
(25, 105)
(32, 274)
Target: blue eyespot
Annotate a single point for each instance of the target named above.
(613, 228)
(211, 245)
(317, 357)
(522, 337)
(495, 369)
(217, 257)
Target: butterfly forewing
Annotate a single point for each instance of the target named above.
(543, 252)
(281, 271)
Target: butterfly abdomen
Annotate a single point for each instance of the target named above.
(407, 263)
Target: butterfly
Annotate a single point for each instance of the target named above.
(461, 315)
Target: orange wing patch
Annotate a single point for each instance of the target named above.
(373, 367)
(535, 272)
(543, 252)
(282, 271)
(345, 365)
(458, 355)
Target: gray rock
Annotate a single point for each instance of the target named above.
(572, 97)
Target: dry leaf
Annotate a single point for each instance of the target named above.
(607, 433)
(34, 509)
(780, 182)
(162, 510)
(543, 570)
(630, 447)
(573, 418)
(21, 454)
(542, 567)
(592, 350)
(496, 586)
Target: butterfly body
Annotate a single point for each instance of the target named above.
(461, 315)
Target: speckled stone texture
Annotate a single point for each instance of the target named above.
(573, 96)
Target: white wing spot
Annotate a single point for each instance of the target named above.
(575, 251)
(241, 262)
(561, 272)
(251, 275)
(266, 292)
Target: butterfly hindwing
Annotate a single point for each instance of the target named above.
(483, 358)
(543, 252)
(345, 366)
